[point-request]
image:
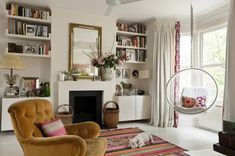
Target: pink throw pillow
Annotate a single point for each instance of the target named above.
(53, 128)
(201, 102)
(188, 102)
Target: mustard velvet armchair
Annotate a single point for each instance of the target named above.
(82, 138)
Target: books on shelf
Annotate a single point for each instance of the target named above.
(133, 55)
(29, 48)
(136, 41)
(23, 28)
(135, 28)
(19, 10)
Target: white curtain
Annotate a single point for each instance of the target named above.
(163, 68)
(229, 93)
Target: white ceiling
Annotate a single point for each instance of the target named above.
(138, 11)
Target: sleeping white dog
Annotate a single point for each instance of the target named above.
(140, 139)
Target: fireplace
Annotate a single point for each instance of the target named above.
(86, 105)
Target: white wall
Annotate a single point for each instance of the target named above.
(60, 41)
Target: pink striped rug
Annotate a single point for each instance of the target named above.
(118, 144)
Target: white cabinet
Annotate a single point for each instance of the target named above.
(143, 107)
(126, 108)
(133, 107)
(6, 124)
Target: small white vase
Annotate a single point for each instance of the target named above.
(108, 74)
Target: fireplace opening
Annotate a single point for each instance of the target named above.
(86, 105)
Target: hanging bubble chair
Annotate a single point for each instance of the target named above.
(191, 91)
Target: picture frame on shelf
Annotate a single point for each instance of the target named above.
(30, 30)
(118, 73)
(96, 78)
(126, 73)
(130, 53)
(135, 74)
(126, 42)
(30, 48)
(28, 86)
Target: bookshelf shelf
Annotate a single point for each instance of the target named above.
(28, 19)
(25, 37)
(30, 55)
(130, 47)
(135, 62)
(130, 33)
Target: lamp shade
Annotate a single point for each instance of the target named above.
(9, 61)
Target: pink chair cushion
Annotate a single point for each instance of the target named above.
(53, 128)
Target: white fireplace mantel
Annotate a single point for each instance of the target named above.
(108, 88)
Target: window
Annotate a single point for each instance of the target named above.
(213, 55)
(185, 51)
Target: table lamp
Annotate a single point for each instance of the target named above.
(11, 62)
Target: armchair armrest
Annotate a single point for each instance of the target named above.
(59, 146)
(86, 130)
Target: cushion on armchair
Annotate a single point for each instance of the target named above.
(53, 128)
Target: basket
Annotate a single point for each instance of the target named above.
(111, 115)
(65, 116)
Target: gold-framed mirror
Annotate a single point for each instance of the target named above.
(83, 39)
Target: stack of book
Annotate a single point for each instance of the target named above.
(14, 48)
(18, 10)
(138, 42)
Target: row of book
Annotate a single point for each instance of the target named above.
(18, 10)
(22, 28)
(29, 48)
(132, 55)
(137, 41)
(135, 28)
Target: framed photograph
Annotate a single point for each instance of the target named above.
(118, 73)
(96, 78)
(126, 42)
(130, 53)
(30, 30)
(30, 48)
(29, 85)
(126, 73)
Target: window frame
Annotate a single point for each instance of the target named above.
(219, 102)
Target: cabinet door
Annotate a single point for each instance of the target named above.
(6, 124)
(126, 107)
(143, 107)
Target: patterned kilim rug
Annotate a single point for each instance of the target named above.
(118, 144)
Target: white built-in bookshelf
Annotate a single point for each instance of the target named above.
(131, 41)
(28, 30)
(28, 35)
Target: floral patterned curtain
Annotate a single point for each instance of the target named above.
(177, 68)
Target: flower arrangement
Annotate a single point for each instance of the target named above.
(107, 61)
